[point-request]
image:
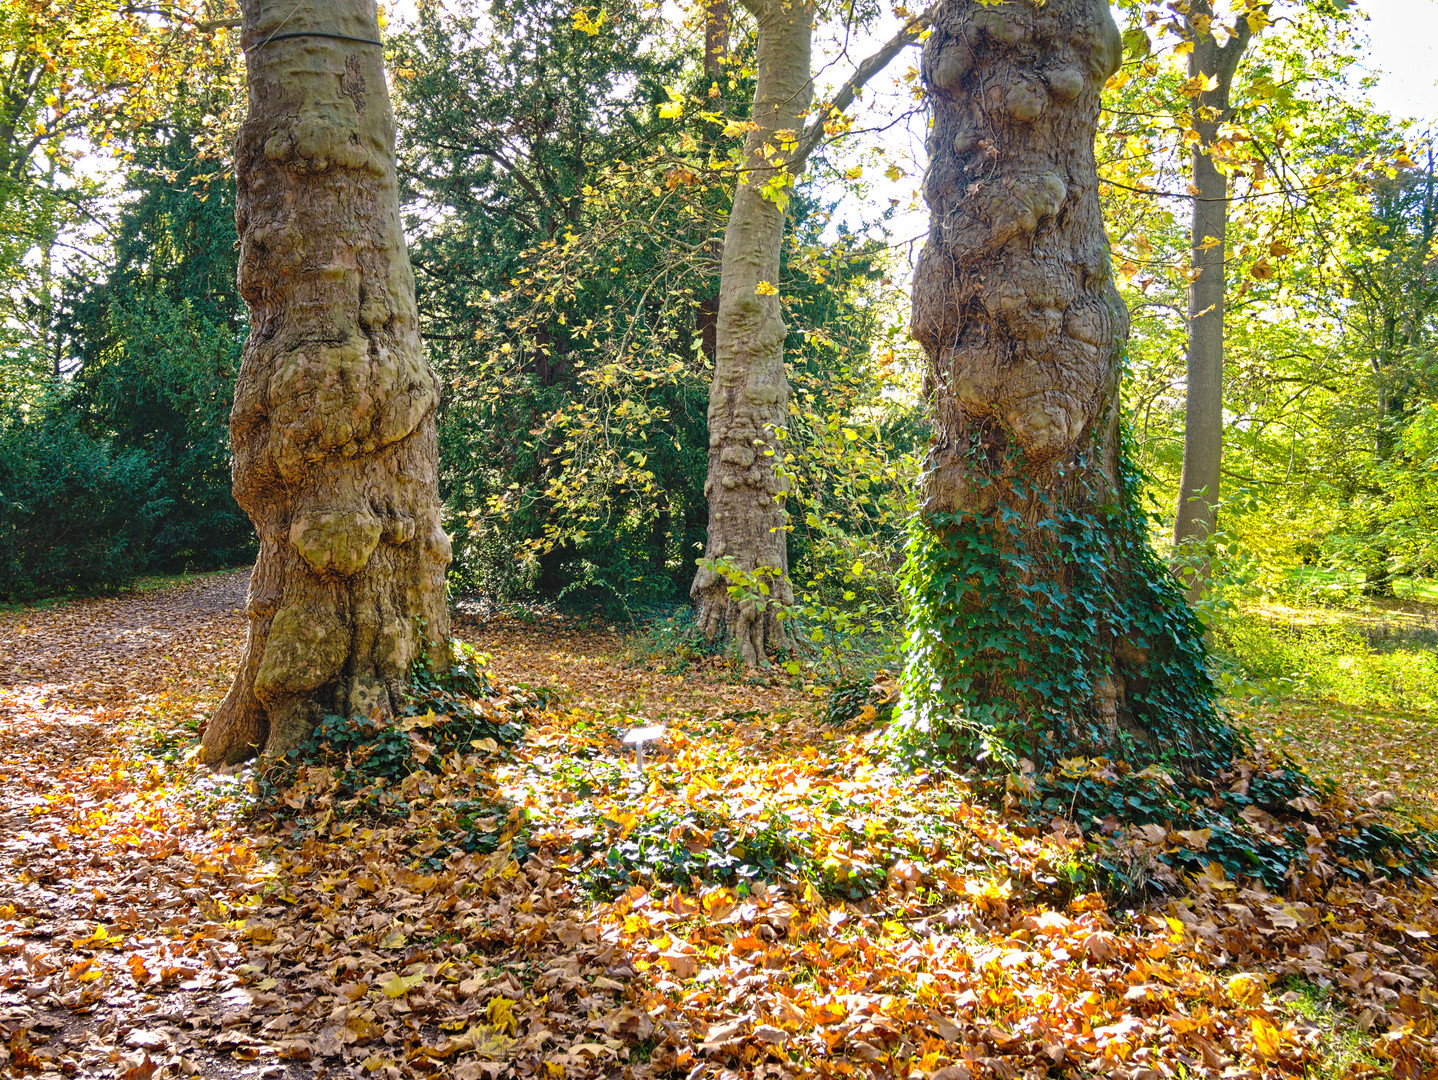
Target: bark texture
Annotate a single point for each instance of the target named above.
(1040, 615)
(1014, 301)
(333, 428)
(749, 395)
(1198, 489)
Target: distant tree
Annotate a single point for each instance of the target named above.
(158, 340)
(743, 587)
(1213, 58)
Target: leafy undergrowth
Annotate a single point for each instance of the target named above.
(769, 899)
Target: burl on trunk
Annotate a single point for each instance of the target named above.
(1040, 617)
(333, 428)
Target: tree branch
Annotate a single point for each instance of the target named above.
(867, 69)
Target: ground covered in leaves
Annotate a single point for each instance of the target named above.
(489, 890)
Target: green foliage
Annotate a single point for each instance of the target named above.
(670, 640)
(76, 514)
(1023, 614)
(686, 850)
(1268, 662)
(1213, 818)
(567, 261)
(158, 342)
(453, 720)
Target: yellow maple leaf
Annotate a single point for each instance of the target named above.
(590, 25)
(1245, 989)
(400, 985)
(1266, 1038)
(765, 289)
(501, 1014)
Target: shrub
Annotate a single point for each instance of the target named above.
(75, 515)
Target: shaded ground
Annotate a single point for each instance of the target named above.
(543, 913)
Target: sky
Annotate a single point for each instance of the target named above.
(1404, 37)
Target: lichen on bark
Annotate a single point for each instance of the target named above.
(1040, 617)
(333, 425)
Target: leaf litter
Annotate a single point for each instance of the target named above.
(770, 898)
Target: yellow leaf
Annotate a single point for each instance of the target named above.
(671, 110)
(1245, 989)
(589, 25)
(854, 173)
(1266, 1037)
(765, 289)
(1199, 84)
(400, 985)
(501, 1014)
(624, 820)
(893, 172)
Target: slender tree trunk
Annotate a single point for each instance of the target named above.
(333, 428)
(1039, 616)
(749, 395)
(1198, 488)
(716, 37)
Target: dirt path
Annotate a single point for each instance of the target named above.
(115, 959)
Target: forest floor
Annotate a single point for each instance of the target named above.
(499, 912)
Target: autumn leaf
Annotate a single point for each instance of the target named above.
(399, 985)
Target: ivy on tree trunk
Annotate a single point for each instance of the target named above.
(333, 425)
(1041, 623)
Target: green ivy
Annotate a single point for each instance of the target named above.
(1015, 613)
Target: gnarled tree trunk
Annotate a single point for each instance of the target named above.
(749, 395)
(333, 428)
(1039, 616)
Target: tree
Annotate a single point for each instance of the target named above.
(158, 340)
(1041, 622)
(1212, 64)
(1389, 317)
(743, 582)
(333, 428)
(749, 395)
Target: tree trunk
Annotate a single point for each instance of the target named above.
(716, 37)
(749, 395)
(1198, 487)
(333, 429)
(1040, 619)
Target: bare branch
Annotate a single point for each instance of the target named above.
(867, 69)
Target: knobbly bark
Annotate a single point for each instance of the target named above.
(333, 428)
(1015, 307)
(1198, 489)
(749, 395)
(1014, 301)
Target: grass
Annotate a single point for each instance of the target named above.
(1340, 1039)
(1352, 691)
